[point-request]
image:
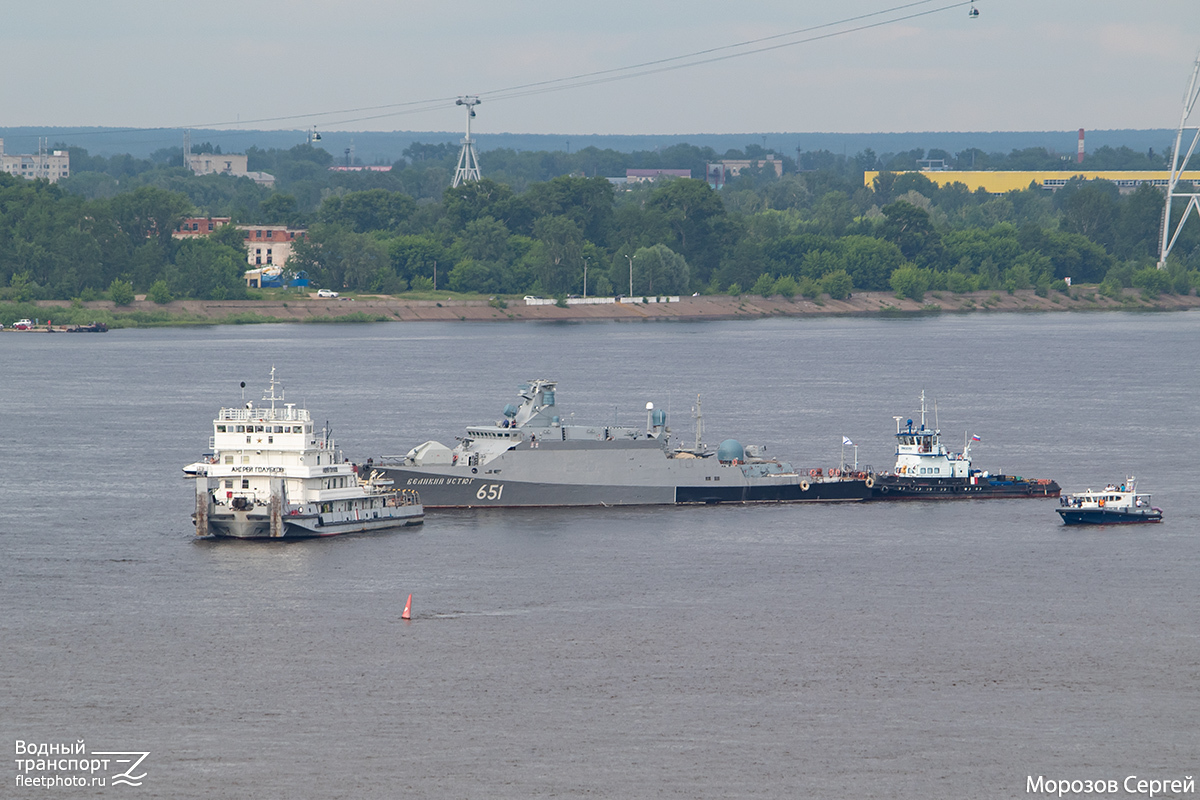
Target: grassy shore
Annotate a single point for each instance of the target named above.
(451, 306)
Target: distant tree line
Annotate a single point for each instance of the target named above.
(817, 229)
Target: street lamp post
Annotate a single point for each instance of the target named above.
(585, 266)
(630, 258)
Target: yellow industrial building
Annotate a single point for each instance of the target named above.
(1001, 182)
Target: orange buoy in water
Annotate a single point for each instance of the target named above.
(407, 609)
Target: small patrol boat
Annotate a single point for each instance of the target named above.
(273, 476)
(926, 470)
(1113, 505)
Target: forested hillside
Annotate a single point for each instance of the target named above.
(532, 226)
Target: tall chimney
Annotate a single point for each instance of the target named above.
(1079, 155)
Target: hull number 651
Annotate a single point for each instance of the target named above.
(490, 491)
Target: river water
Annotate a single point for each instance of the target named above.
(912, 650)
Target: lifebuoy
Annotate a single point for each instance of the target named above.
(812, 473)
(871, 482)
(803, 485)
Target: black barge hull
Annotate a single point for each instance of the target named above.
(899, 487)
(816, 492)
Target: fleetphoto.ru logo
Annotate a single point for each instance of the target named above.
(50, 764)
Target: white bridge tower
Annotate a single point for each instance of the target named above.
(468, 162)
(1178, 162)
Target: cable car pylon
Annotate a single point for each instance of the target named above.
(468, 161)
(1178, 163)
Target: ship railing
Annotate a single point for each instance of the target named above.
(284, 414)
(405, 497)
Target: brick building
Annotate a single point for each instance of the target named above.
(266, 245)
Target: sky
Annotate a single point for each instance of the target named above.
(1020, 65)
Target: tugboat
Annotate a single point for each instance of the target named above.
(926, 470)
(1114, 505)
(272, 476)
(531, 457)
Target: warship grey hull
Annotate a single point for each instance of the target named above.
(456, 491)
(626, 473)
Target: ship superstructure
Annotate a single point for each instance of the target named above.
(273, 475)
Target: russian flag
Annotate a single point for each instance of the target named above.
(974, 438)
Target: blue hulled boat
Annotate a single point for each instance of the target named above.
(1113, 505)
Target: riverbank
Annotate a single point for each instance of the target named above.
(379, 308)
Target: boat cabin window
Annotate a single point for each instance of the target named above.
(241, 429)
(245, 483)
(229, 484)
(245, 459)
(220, 429)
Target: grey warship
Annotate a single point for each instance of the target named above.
(531, 458)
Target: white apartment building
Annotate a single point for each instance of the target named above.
(49, 165)
(227, 164)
